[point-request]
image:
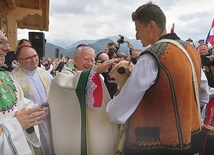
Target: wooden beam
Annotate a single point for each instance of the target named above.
(20, 13)
(1, 22)
(11, 4)
(40, 4)
(17, 3)
(1, 11)
(11, 22)
(11, 30)
(13, 12)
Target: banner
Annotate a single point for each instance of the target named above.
(210, 36)
(173, 28)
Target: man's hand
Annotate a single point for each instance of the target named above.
(207, 128)
(129, 45)
(29, 117)
(45, 107)
(105, 65)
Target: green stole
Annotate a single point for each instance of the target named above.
(81, 96)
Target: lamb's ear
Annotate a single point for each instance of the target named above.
(128, 71)
(131, 65)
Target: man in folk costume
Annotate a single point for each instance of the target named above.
(35, 83)
(16, 113)
(162, 110)
(77, 99)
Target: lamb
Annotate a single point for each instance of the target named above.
(119, 74)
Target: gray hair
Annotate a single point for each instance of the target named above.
(83, 48)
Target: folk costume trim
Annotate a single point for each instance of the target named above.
(8, 91)
(192, 66)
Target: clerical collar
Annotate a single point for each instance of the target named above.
(30, 73)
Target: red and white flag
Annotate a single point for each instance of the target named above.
(210, 36)
(173, 28)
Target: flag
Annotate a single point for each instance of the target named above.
(173, 28)
(210, 35)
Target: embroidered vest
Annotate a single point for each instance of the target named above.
(23, 81)
(167, 119)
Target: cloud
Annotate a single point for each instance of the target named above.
(71, 20)
(73, 7)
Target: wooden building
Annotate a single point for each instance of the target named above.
(23, 14)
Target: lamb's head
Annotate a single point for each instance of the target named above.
(120, 73)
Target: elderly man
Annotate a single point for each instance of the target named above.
(35, 83)
(17, 114)
(77, 99)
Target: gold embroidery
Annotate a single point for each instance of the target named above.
(22, 79)
(0, 130)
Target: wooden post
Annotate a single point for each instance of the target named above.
(11, 30)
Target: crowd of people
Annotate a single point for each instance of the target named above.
(55, 65)
(68, 106)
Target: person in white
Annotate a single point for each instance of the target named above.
(82, 126)
(35, 83)
(17, 113)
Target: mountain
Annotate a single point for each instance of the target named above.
(74, 45)
(98, 45)
(50, 50)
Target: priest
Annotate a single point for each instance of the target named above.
(77, 100)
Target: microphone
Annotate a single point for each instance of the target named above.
(30, 130)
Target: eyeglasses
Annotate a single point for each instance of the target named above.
(29, 58)
(4, 43)
(88, 59)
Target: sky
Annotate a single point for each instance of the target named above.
(74, 20)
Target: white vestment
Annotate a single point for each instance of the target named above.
(101, 134)
(13, 140)
(39, 96)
